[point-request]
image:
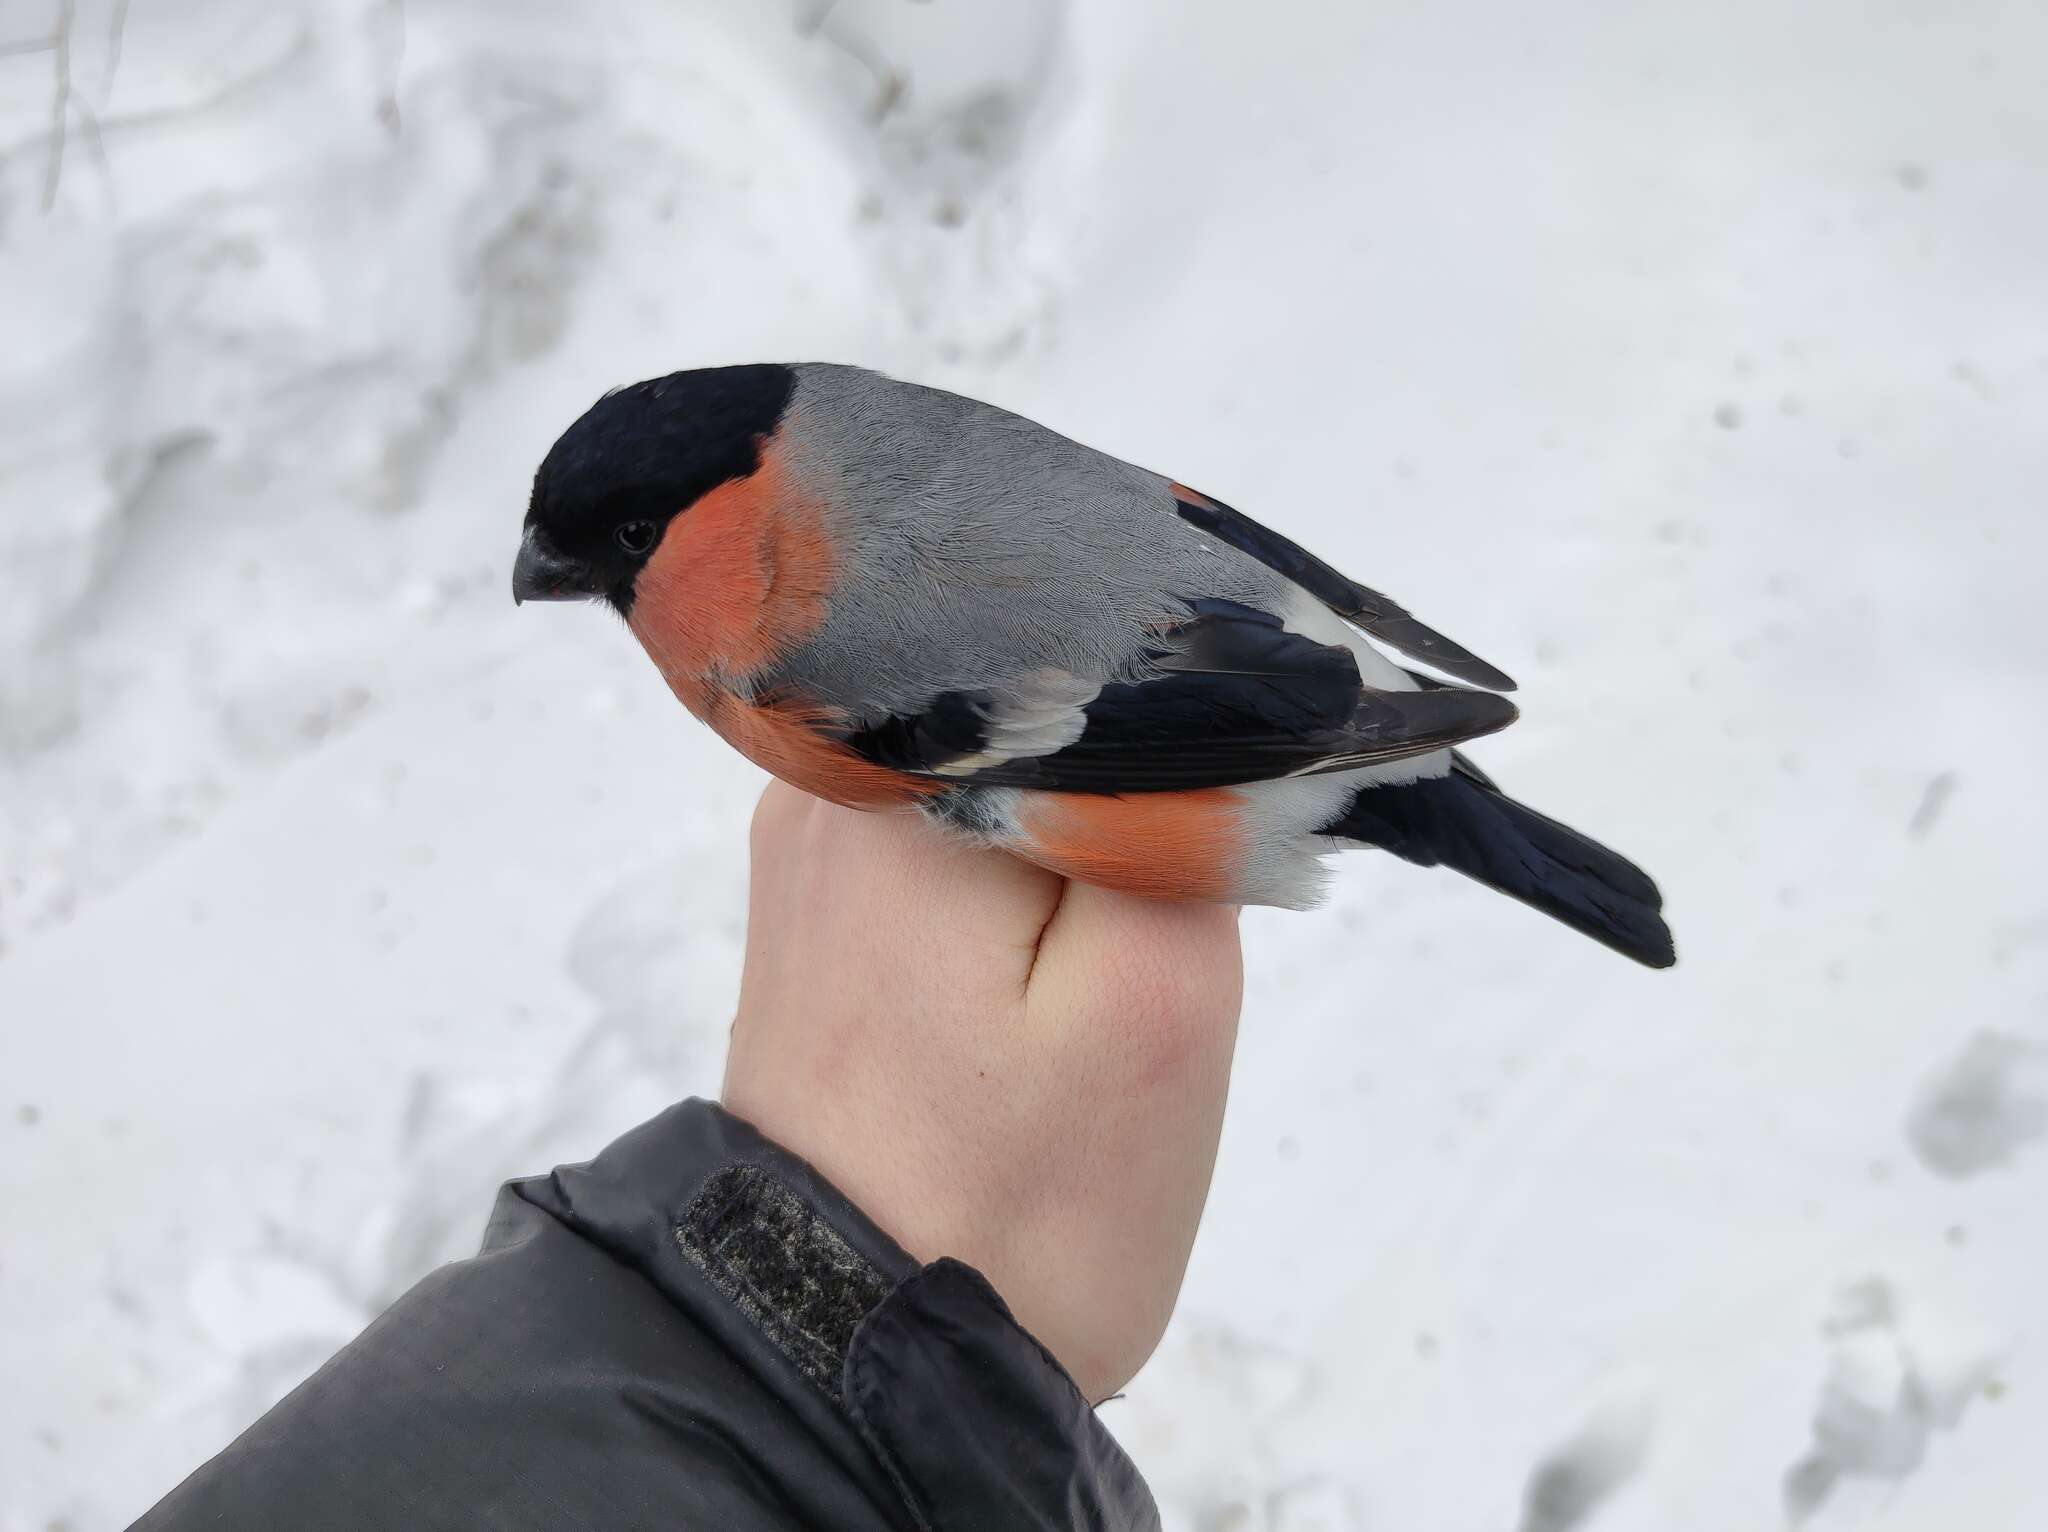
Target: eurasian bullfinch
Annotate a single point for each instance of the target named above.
(888, 595)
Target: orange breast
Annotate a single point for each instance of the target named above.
(743, 575)
(784, 739)
(741, 578)
(1162, 845)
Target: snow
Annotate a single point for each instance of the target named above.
(1689, 361)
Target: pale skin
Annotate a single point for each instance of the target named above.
(993, 1063)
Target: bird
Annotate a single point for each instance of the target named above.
(895, 597)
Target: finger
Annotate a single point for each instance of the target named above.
(1160, 980)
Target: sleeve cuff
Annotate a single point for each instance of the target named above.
(919, 1376)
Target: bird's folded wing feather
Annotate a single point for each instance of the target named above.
(1230, 696)
(1381, 616)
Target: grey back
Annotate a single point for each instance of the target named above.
(982, 546)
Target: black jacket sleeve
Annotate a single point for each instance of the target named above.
(693, 1330)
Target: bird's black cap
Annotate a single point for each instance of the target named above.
(636, 459)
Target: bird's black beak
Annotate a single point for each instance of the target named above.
(544, 573)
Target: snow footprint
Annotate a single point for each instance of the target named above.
(1890, 1386)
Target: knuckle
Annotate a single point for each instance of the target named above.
(1173, 1009)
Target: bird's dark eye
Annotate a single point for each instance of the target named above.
(636, 536)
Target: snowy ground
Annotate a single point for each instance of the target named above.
(1691, 361)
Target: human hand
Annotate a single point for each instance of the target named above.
(992, 1063)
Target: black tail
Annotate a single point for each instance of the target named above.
(1462, 821)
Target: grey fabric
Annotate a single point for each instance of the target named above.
(639, 1345)
(1031, 1460)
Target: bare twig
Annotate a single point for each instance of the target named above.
(387, 104)
(33, 45)
(60, 105)
(890, 82)
(115, 28)
(95, 145)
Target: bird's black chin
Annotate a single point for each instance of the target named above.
(543, 572)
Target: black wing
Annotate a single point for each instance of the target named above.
(1232, 697)
(1381, 616)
